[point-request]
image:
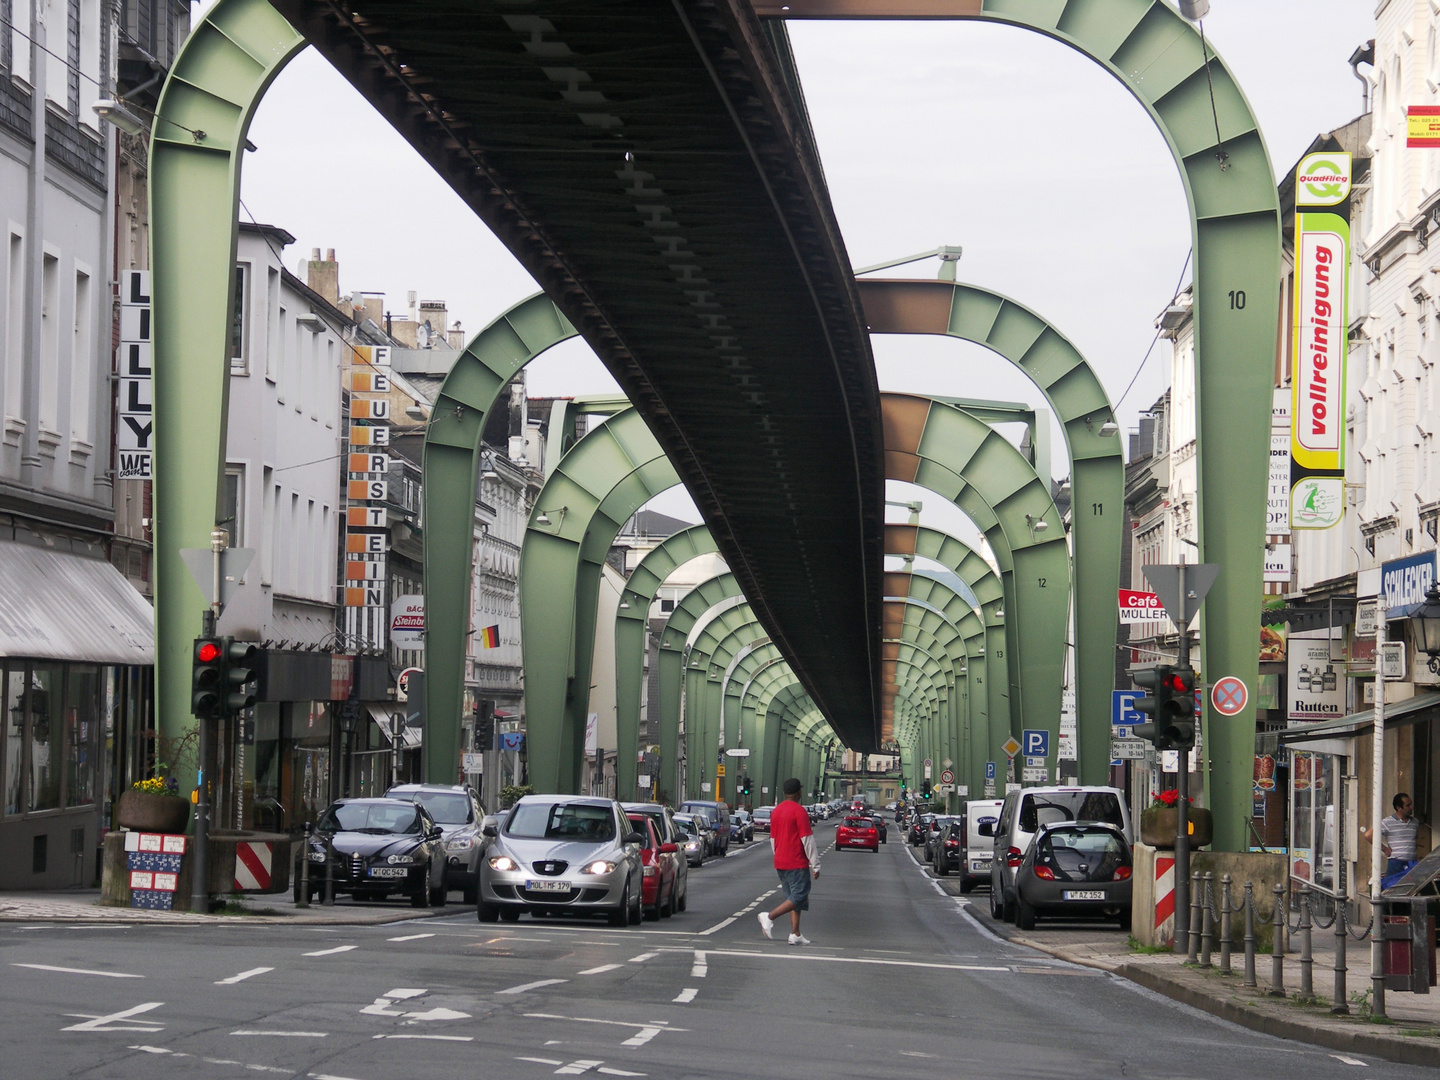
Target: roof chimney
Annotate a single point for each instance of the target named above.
(323, 276)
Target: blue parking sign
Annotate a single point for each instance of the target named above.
(1035, 742)
(989, 770)
(1123, 715)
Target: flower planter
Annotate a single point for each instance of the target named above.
(145, 811)
(1157, 826)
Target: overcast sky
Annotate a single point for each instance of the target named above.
(1027, 154)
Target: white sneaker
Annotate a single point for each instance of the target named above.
(799, 939)
(767, 924)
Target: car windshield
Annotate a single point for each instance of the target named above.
(859, 823)
(1079, 854)
(1054, 807)
(765, 814)
(638, 821)
(687, 826)
(561, 821)
(378, 818)
(446, 807)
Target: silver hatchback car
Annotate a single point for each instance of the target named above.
(552, 854)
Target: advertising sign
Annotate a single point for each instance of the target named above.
(1139, 607)
(1422, 126)
(1317, 407)
(1277, 497)
(1277, 562)
(1403, 583)
(1317, 692)
(1272, 629)
(135, 414)
(407, 622)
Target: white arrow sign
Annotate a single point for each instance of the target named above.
(739, 751)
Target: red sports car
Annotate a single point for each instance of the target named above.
(857, 832)
(657, 873)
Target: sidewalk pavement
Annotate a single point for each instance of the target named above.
(83, 905)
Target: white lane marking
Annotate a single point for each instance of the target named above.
(401, 993)
(701, 966)
(643, 957)
(436, 1038)
(410, 937)
(592, 1020)
(616, 1072)
(916, 1053)
(1348, 1060)
(155, 1050)
(985, 931)
(103, 1023)
(575, 1068)
(643, 1036)
(600, 970)
(532, 986)
(233, 979)
(313, 1076)
(541, 1061)
(287, 1034)
(79, 971)
(332, 952)
(794, 955)
(686, 996)
(718, 926)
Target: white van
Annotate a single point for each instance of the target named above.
(978, 850)
(1021, 816)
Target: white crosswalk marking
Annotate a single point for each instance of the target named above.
(115, 1021)
(686, 996)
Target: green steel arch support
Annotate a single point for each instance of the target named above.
(715, 644)
(1097, 466)
(675, 677)
(772, 710)
(206, 105)
(752, 733)
(1201, 112)
(631, 625)
(959, 457)
(604, 479)
(924, 624)
(755, 702)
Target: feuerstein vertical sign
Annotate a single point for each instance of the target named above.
(135, 413)
(1317, 413)
(367, 540)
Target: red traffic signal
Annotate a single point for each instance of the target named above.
(207, 652)
(206, 677)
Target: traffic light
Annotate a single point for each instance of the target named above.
(925, 790)
(1170, 701)
(484, 725)
(238, 658)
(206, 677)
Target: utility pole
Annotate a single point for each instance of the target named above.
(1377, 810)
(1182, 803)
(200, 872)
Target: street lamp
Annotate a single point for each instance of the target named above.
(1425, 626)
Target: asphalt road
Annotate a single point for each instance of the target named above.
(900, 981)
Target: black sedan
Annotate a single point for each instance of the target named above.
(1075, 869)
(880, 824)
(916, 833)
(375, 848)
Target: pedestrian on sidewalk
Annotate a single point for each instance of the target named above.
(1398, 834)
(797, 862)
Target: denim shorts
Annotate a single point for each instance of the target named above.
(796, 886)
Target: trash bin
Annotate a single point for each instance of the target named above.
(1408, 911)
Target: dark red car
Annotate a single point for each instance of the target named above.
(857, 832)
(657, 873)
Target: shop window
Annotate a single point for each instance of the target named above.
(82, 717)
(14, 747)
(46, 737)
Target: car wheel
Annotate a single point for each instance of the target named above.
(1024, 915)
(1007, 909)
(510, 914)
(685, 898)
(637, 911)
(621, 915)
(421, 898)
(472, 893)
(668, 907)
(995, 904)
(487, 912)
(437, 895)
(966, 885)
(941, 870)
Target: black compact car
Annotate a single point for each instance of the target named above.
(880, 824)
(1075, 868)
(377, 848)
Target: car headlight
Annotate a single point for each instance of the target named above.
(693, 845)
(401, 860)
(460, 843)
(317, 856)
(599, 866)
(503, 862)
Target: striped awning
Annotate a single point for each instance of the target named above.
(55, 605)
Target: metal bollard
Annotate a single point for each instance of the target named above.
(1338, 1005)
(1250, 934)
(329, 871)
(1196, 902)
(1307, 958)
(1225, 925)
(304, 900)
(1207, 922)
(1277, 952)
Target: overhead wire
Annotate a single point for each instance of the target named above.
(1175, 295)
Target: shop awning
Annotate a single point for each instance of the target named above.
(59, 606)
(389, 719)
(1397, 713)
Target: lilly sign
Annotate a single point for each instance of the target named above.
(1404, 581)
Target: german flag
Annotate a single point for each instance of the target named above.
(490, 637)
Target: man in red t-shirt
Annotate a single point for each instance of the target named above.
(796, 862)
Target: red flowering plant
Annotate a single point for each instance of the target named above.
(1168, 799)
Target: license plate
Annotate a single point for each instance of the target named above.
(547, 886)
(856, 840)
(1084, 894)
(980, 864)
(388, 871)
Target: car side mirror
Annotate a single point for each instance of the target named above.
(434, 832)
(985, 829)
(634, 838)
(669, 849)
(490, 829)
